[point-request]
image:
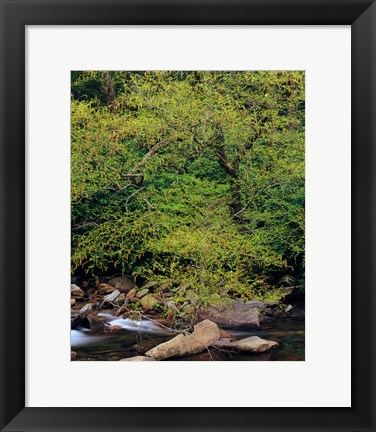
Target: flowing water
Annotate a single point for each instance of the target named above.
(123, 338)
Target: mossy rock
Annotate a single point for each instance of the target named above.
(149, 302)
(142, 293)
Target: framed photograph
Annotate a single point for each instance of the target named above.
(187, 215)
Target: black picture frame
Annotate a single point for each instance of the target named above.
(15, 15)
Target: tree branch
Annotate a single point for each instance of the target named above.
(148, 155)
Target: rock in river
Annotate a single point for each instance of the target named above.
(82, 315)
(251, 344)
(239, 314)
(110, 298)
(205, 333)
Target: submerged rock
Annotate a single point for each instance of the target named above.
(251, 344)
(205, 334)
(138, 358)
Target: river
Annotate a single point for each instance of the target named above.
(125, 338)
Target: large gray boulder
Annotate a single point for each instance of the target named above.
(205, 334)
(251, 344)
(239, 314)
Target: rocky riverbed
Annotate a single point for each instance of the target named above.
(115, 320)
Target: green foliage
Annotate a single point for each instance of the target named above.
(189, 176)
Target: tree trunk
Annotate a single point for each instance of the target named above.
(110, 90)
(231, 169)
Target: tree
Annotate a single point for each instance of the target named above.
(193, 176)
